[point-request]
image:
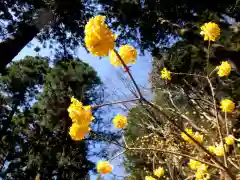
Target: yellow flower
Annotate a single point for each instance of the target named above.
(166, 74)
(126, 52)
(211, 149)
(185, 137)
(120, 121)
(104, 167)
(159, 172)
(210, 31)
(78, 132)
(227, 105)
(99, 39)
(194, 165)
(80, 114)
(229, 140)
(224, 69)
(219, 151)
(201, 175)
(114, 60)
(203, 167)
(37, 177)
(198, 137)
(149, 178)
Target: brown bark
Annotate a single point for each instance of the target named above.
(26, 32)
(14, 44)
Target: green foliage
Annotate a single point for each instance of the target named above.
(151, 25)
(18, 88)
(68, 78)
(70, 17)
(23, 78)
(62, 155)
(35, 141)
(136, 163)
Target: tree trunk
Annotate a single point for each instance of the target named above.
(14, 44)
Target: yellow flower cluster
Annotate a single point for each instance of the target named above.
(81, 117)
(197, 136)
(219, 149)
(99, 39)
(227, 105)
(210, 31)
(104, 167)
(201, 170)
(166, 74)
(120, 121)
(194, 165)
(127, 53)
(224, 69)
(159, 172)
(149, 178)
(78, 132)
(202, 175)
(211, 149)
(230, 139)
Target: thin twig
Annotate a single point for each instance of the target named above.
(218, 123)
(115, 102)
(189, 177)
(153, 162)
(125, 142)
(226, 122)
(208, 55)
(183, 116)
(187, 74)
(235, 154)
(236, 166)
(129, 74)
(212, 72)
(114, 157)
(215, 109)
(176, 153)
(160, 109)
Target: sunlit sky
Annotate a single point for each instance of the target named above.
(109, 76)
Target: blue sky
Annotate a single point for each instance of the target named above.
(110, 77)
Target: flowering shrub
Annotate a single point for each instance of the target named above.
(174, 144)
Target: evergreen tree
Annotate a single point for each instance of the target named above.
(36, 143)
(18, 88)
